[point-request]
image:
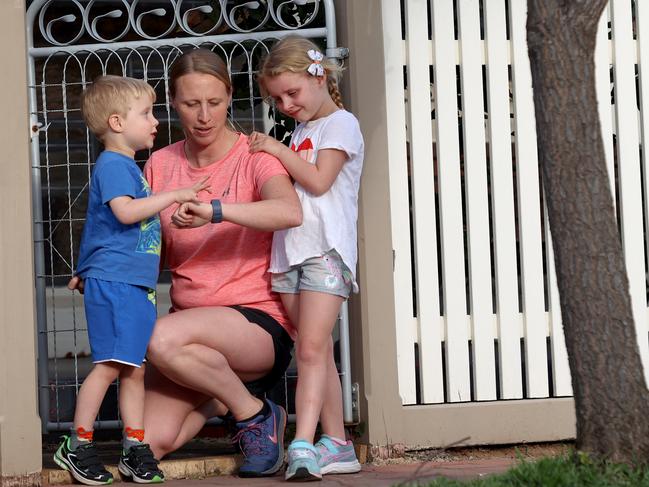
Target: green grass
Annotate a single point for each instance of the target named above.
(573, 470)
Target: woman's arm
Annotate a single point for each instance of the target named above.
(278, 209)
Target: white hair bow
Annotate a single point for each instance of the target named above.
(315, 68)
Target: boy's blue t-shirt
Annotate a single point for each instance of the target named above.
(111, 250)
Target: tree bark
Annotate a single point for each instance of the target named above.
(611, 397)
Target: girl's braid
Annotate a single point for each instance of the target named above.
(334, 92)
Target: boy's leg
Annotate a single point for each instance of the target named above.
(137, 460)
(80, 457)
(131, 397)
(92, 392)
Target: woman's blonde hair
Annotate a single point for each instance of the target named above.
(291, 55)
(109, 95)
(201, 61)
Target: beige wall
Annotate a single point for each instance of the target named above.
(373, 332)
(20, 438)
(374, 323)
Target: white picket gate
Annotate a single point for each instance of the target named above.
(478, 288)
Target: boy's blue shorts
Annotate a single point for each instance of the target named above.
(120, 320)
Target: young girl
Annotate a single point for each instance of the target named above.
(313, 266)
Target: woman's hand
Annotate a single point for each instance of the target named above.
(192, 215)
(259, 142)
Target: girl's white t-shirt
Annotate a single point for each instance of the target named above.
(329, 220)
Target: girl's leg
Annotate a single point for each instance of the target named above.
(92, 393)
(331, 417)
(317, 316)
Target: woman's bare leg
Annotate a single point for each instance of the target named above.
(209, 350)
(173, 415)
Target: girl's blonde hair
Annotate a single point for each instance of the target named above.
(290, 55)
(201, 61)
(108, 95)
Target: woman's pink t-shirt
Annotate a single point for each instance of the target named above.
(220, 264)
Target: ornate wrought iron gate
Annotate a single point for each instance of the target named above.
(71, 42)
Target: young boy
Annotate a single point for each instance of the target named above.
(119, 261)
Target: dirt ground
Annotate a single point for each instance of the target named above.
(526, 451)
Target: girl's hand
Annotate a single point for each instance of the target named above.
(191, 194)
(259, 142)
(192, 215)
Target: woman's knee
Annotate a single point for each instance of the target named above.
(164, 341)
(161, 441)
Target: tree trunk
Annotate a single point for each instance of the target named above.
(611, 398)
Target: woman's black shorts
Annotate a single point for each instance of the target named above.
(282, 344)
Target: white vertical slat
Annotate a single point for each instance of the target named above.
(406, 332)
(561, 377)
(629, 168)
(423, 198)
(529, 207)
(450, 201)
(502, 200)
(477, 201)
(642, 26)
(603, 86)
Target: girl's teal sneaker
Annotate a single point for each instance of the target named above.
(302, 462)
(336, 458)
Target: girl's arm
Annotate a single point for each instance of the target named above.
(278, 209)
(315, 178)
(129, 210)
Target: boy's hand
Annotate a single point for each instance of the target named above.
(192, 215)
(76, 283)
(259, 142)
(191, 194)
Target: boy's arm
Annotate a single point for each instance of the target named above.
(315, 178)
(128, 210)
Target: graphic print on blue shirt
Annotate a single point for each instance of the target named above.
(111, 250)
(150, 235)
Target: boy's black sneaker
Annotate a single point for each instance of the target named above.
(140, 464)
(83, 463)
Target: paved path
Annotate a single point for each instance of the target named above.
(200, 473)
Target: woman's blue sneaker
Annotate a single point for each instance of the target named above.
(336, 458)
(302, 462)
(262, 443)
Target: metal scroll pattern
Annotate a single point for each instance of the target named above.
(141, 19)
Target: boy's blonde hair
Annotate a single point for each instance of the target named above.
(109, 95)
(290, 55)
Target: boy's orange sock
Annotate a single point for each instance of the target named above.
(132, 437)
(79, 436)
